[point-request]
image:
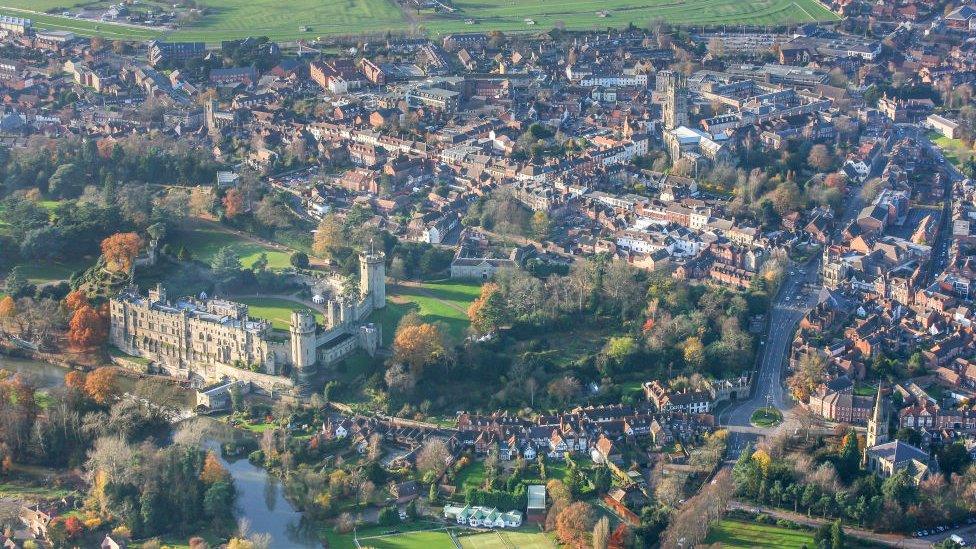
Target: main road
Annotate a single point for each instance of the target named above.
(798, 294)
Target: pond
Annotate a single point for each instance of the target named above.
(261, 497)
(261, 502)
(44, 374)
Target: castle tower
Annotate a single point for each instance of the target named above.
(302, 332)
(372, 276)
(675, 99)
(878, 423)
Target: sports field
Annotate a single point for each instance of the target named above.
(501, 539)
(509, 15)
(745, 535)
(308, 19)
(438, 539)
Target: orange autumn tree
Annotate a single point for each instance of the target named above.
(213, 471)
(100, 385)
(233, 203)
(87, 329)
(75, 300)
(417, 345)
(120, 250)
(8, 309)
(75, 380)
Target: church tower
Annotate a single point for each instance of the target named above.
(372, 276)
(675, 99)
(878, 423)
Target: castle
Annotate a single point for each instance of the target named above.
(215, 340)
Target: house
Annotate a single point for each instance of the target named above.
(944, 126)
(483, 517)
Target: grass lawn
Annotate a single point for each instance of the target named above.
(81, 27)
(736, 534)
(503, 539)
(278, 311)
(204, 242)
(438, 539)
(583, 14)
(346, 540)
(472, 476)
(308, 19)
(40, 272)
(766, 417)
(954, 150)
(445, 301)
(31, 491)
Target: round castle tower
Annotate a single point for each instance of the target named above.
(303, 356)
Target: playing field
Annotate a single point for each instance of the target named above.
(745, 535)
(414, 540)
(309, 19)
(508, 15)
(501, 539)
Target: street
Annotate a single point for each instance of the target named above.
(790, 305)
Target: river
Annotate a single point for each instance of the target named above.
(261, 497)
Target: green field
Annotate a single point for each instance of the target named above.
(81, 27)
(582, 14)
(501, 539)
(766, 417)
(444, 301)
(734, 534)
(438, 539)
(204, 242)
(954, 150)
(239, 18)
(41, 272)
(278, 311)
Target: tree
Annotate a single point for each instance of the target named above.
(329, 236)
(299, 260)
(564, 388)
(226, 265)
(540, 225)
(418, 345)
(849, 457)
(120, 250)
(87, 329)
(573, 524)
(66, 182)
(900, 489)
(836, 535)
(809, 374)
(16, 284)
(601, 533)
(8, 309)
(489, 311)
(820, 158)
(953, 459)
(233, 203)
(100, 384)
(694, 353)
(75, 300)
(213, 471)
(433, 457)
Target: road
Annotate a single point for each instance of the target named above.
(789, 306)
